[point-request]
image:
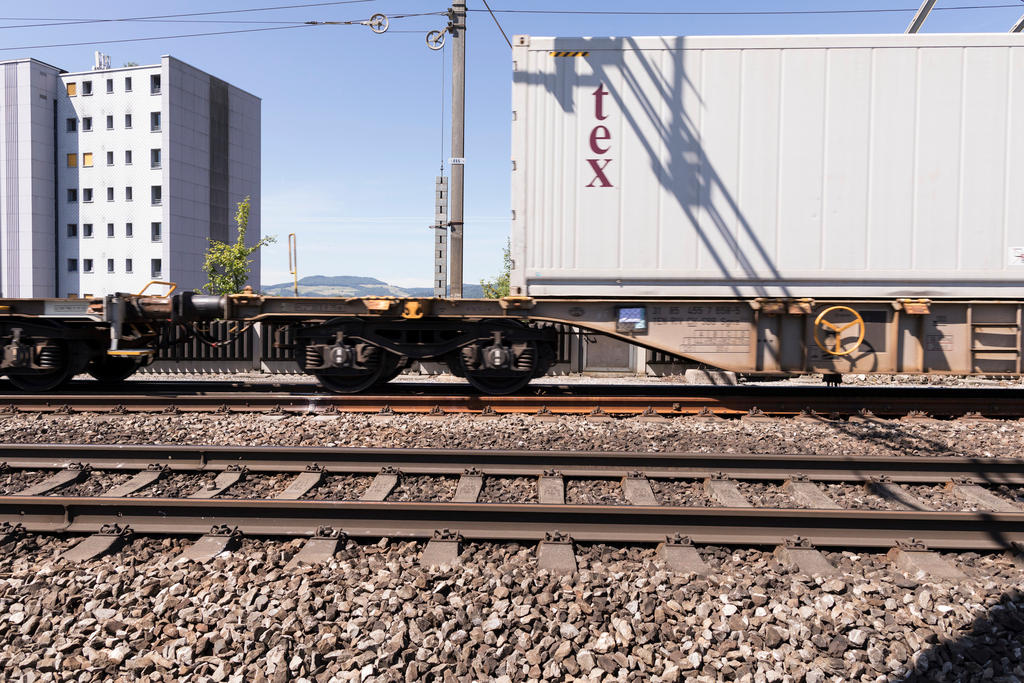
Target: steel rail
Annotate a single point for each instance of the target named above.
(666, 401)
(587, 464)
(520, 522)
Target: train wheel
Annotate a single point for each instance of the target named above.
(497, 386)
(398, 364)
(53, 355)
(350, 383)
(511, 369)
(111, 370)
(384, 368)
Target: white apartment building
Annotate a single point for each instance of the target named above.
(110, 178)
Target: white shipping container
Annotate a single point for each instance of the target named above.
(820, 166)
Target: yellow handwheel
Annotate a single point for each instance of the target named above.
(838, 329)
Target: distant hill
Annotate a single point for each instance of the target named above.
(354, 286)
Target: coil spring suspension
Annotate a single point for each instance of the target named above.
(50, 357)
(526, 360)
(314, 356)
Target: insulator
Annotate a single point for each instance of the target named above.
(50, 357)
(314, 356)
(526, 360)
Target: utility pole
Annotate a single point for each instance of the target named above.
(457, 27)
(441, 237)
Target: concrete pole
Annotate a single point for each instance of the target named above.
(922, 13)
(456, 190)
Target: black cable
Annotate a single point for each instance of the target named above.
(496, 23)
(138, 40)
(736, 12)
(65, 22)
(307, 24)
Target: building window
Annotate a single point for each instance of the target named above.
(87, 160)
(154, 84)
(86, 123)
(72, 125)
(154, 231)
(110, 265)
(110, 85)
(154, 158)
(110, 122)
(127, 120)
(110, 158)
(86, 87)
(128, 231)
(128, 193)
(110, 229)
(87, 265)
(72, 160)
(73, 195)
(72, 89)
(128, 84)
(154, 121)
(156, 195)
(127, 265)
(86, 229)
(128, 157)
(72, 229)
(110, 194)
(86, 194)
(72, 265)
(156, 268)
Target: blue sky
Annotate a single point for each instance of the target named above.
(352, 129)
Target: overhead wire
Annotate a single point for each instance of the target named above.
(737, 12)
(139, 40)
(302, 24)
(144, 20)
(65, 22)
(498, 24)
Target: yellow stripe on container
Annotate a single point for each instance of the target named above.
(569, 54)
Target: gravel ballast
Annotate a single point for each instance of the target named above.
(340, 487)
(424, 488)
(373, 614)
(508, 490)
(995, 439)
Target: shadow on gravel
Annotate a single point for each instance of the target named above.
(992, 650)
(892, 437)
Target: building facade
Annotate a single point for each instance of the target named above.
(112, 178)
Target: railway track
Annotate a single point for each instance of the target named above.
(624, 400)
(986, 519)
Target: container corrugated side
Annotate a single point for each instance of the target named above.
(818, 166)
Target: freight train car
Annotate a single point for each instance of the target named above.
(762, 204)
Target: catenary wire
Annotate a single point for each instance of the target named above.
(306, 24)
(498, 24)
(738, 12)
(205, 21)
(138, 40)
(63, 22)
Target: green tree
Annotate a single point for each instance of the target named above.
(129, 64)
(228, 265)
(499, 286)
